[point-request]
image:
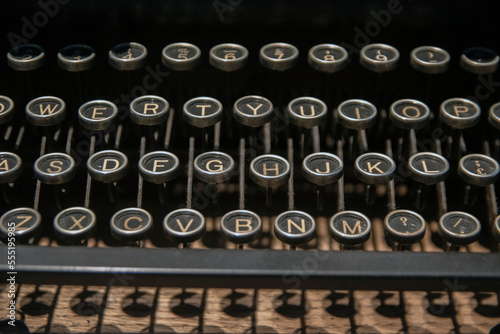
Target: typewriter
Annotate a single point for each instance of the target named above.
(271, 146)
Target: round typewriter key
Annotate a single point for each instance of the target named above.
(181, 56)
(228, 57)
(279, 56)
(46, 111)
(479, 60)
(149, 110)
(379, 57)
(10, 167)
(322, 168)
(374, 168)
(184, 225)
(75, 224)
(128, 56)
(294, 227)
(409, 114)
(269, 170)
(306, 112)
(460, 113)
(493, 117)
(496, 229)
(241, 226)
(131, 225)
(253, 110)
(357, 114)
(55, 168)
(404, 227)
(25, 223)
(26, 57)
(76, 58)
(328, 58)
(97, 114)
(428, 168)
(107, 166)
(459, 228)
(202, 111)
(478, 169)
(6, 109)
(159, 166)
(430, 59)
(213, 167)
(350, 228)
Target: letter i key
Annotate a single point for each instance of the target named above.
(356, 116)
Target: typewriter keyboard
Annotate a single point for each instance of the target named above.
(195, 163)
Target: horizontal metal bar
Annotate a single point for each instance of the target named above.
(220, 268)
